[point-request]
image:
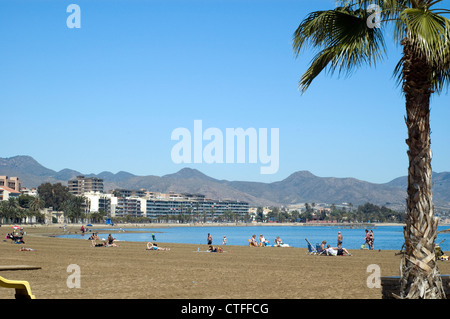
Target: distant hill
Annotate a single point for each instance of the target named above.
(299, 187)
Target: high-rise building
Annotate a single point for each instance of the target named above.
(82, 185)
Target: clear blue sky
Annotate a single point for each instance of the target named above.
(107, 96)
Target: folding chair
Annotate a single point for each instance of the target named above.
(311, 249)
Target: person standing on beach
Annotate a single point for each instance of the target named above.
(340, 238)
(210, 239)
(367, 240)
(371, 239)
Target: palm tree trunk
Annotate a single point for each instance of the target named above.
(420, 275)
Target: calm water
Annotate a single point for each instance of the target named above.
(386, 237)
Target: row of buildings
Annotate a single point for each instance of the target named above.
(136, 203)
(153, 205)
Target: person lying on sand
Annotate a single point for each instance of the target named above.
(26, 249)
(334, 251)
(153, 246)
(213, 249)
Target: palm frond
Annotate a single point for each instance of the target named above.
(343, 39)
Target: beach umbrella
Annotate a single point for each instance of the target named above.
(16, 227)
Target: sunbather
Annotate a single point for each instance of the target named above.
(213, 249)
(94, 239)
(334, 251)
(153, 246)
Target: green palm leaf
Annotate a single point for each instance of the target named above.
(344, 39)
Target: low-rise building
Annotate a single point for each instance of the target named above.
(7, 193)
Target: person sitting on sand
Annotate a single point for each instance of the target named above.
(110, 241)
(334, 251)
(153, 246)
(253, 241)
(278, 242)
(94, 239)
(262, 240)
(323, 246)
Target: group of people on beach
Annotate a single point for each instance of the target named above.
(97, 242)
(368, 240)
(326, 249)
(263, 242)
(16, 238)
(253, 242)
(211, 248)
(16, 235)
(151, 245)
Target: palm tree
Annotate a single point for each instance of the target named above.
(345, 41)
(36, 204)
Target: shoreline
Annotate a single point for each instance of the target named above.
(165, 225)
(57, 231)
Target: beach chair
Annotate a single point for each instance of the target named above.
(319, 250)
(311, 249)
(23, 290)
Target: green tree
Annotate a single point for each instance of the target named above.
(295, 215)
(36, 204)
(72, 207)
(53, 195)
(346, 39)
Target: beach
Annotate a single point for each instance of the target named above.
(129, 271)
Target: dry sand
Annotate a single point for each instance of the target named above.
(131, 272)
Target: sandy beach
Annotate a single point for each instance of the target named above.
(132, 272)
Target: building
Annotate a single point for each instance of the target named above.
(128, 206)
(11, 182)
(96, 202)
(153, 205)
(199, 208)
(81, 185)
(7, 193)
(30, 192)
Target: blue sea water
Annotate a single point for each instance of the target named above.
(386, 237)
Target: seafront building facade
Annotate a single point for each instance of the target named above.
(153, 205)
(164, 206)
(201, 209)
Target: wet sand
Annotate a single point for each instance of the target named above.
(132, 272)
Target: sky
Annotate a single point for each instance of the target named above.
(107, 96)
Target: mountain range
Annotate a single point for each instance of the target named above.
(299, 187)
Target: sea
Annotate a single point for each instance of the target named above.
(386, 237)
